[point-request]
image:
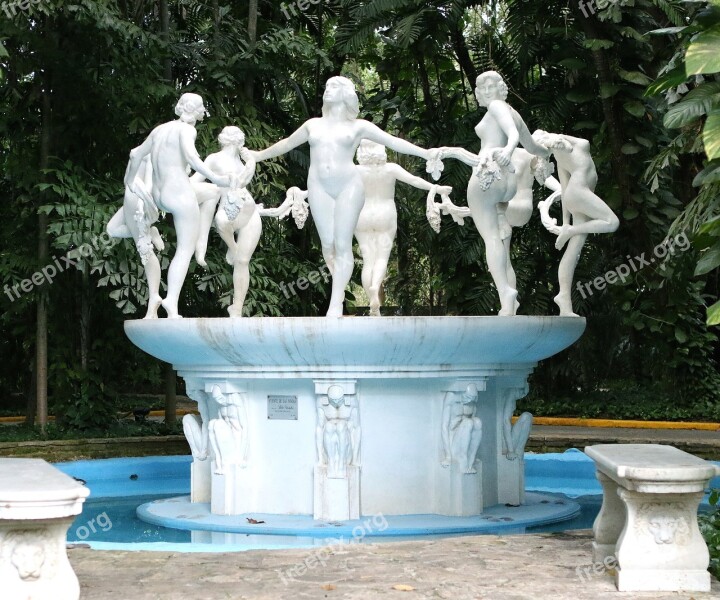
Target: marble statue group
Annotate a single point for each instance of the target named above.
(349, 200)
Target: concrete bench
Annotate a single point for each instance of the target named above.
(648, 521)
(37, 506)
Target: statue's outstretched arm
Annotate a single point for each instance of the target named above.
(187, 140)
(301, 136)
(373, 133)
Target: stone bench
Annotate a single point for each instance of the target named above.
(37, 506)
(648, 521)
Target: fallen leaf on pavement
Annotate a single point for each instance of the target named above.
(401, 587)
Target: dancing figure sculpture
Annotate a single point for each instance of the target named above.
(171, 147)
(135, 219)
(583, 211)
(494, 180)
(337, 432)
(335, 186)
(461, 429)
(377, 225)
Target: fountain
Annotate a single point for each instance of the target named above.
(313, 423)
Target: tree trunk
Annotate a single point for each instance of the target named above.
(252, 38)
(85, 316)
(41, 332)
(165, 32)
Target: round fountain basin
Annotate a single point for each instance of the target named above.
(398, 373)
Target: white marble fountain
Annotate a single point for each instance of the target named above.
(329, 419)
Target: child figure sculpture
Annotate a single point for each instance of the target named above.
(377, 225)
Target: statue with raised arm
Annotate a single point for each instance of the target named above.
(229, 433)
(171, 148)
(135, 219)
(337, 432)
(377, 225)
(461, 431)
(583, 211)
(514, 436)
(335, 186)
(494, 180)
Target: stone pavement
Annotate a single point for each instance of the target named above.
(519, 567)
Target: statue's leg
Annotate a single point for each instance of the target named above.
(366, 243)
(597, 217)
(482, 204)
(186, 216)
(461, 446)
(332, 447)
(475, 439)
(248, 238)
(215, 434)
(384, 241)
(521, 433)
(566, 270)
(151, 263)
(322, 207)
(351, 199)
(208, 200)
(116, 226)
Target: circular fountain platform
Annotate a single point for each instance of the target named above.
(340, 418)
(538, 509)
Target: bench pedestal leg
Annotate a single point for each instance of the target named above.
(661, 548)
(34, 563)
(609, 523)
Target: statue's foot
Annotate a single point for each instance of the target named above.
(171, 309)
(470, 471)
(235, 311)
(153, 305)
(200, 259)
(445, 464)
(563, 237)
(156, 239)
(565, 305)
(335, 310)
(375, 311)
(508, 303)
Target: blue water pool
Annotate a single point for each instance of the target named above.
(119, 486)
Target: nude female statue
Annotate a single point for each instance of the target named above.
(588, 212)
(493, 180)
(171, 147)
(335, 186)
(461, 429)
(377, 225)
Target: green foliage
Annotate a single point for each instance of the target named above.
(710, 529)
(81, 401)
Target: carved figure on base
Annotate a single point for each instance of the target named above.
(515, 436)
(229, 433)
(461, 429)
(337, 432)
